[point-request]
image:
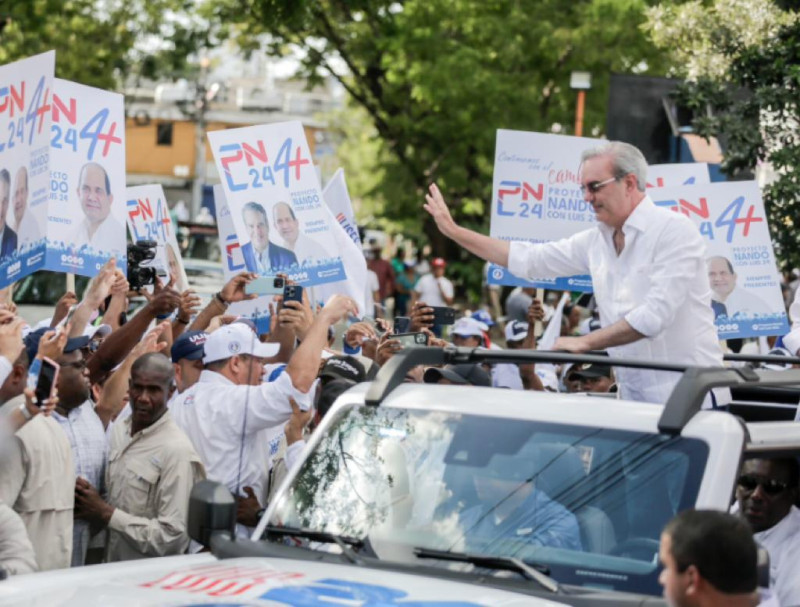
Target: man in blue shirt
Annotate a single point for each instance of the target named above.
(8, 238)
(513, 508)
(269, 257)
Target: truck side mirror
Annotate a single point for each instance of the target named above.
(212, 511)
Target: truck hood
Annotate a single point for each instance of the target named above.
(203, 580)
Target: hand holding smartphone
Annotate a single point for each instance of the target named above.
(293, 293)
(45, 382)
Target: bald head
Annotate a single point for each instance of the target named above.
(154, 363)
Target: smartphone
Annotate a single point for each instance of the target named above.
(401, 324)
(293, 293)
(410, 340)
(443, 315)
(48, 376)
(67, 318)
(266, 285)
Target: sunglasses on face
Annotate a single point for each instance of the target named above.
(595, 186)
(770, 486)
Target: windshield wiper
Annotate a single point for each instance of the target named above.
(346, 544)
(506, 563)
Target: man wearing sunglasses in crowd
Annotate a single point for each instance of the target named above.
(767, 492)
(647, 266)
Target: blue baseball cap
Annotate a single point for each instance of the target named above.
(32, 342)
(484, 317)
(189, 346)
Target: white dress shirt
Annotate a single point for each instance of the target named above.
(783, 544)
(745, 304)
(224, 422)
(428, 289)
(792, 340)
(28, 231)
(109, 237)
(309, 251)
(658, 284)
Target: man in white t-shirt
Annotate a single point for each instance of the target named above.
(434, 289)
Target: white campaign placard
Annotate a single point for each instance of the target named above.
(678, 174)
(745, 287)
(276, 202)
(86, 218)
(337, 197)
(25, 88)
(536, 197)
(149, 219)
(238, 258)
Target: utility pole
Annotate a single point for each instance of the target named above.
(201, 106)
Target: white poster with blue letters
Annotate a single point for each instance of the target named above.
(149, 219)
(25, 88)
(235, 259)
(536, 197)
(740, 261)
(86, 215)
(275, 201)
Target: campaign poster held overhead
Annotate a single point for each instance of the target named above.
(671, 175)
(275, 201)
(536, 197)
(149, 219)
(86, 216)
(25, 88)
(238, 258)
(745, 287)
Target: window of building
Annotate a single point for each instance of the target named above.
(164, 133)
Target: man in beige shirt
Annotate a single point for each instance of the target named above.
(37, 478)
(151, 470)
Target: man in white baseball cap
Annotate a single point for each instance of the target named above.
(467, 332)
(225, 412)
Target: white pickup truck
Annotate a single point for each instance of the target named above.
(429, 495)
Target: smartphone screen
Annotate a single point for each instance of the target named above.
(266, 285)
(46, 381)
(410, 340)
(401, 324)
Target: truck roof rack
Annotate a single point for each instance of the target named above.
(685, 400)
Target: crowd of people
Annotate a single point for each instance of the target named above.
(144, 407)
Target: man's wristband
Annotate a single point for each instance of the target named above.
(218, 297)
(182, 321)
(25, 413)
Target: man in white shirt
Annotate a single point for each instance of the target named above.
(766, 491)
(434, 289)
(98, 229)
(647, 267)
(306, 249)
(225, 412)
(28, 231)
(732, 299)
(792, 340)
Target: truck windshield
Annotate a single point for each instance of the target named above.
(589, 503)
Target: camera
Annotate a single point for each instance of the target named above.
(139, 255)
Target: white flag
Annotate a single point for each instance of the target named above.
(348, 245)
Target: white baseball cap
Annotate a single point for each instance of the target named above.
(467, 327)
(235, 339)
(516, 330)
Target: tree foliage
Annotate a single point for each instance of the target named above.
(753, 106)
(437, 78)
(101, 43)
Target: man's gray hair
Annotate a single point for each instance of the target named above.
(626, 160)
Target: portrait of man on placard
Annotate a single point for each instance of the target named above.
(8, 237)
(727, 297)
(25, 223)
(270, 257)
(288, 227)
(97, 228)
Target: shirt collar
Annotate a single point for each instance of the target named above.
(74, 413)
(150, 429)
(640, 219)
(212, 377)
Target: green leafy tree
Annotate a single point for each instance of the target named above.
(101, 43)
(438, 77)
(752, 103)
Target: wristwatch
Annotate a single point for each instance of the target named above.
(218, 297)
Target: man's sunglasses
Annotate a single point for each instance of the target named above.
(770, 486)
(595, 186)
